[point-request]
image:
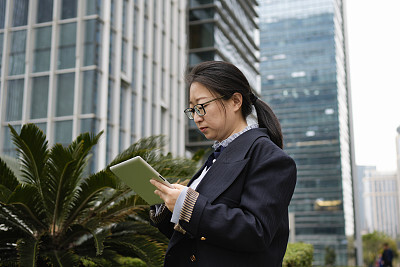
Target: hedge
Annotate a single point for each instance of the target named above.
(299, 255)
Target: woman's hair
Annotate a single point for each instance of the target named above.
(226, 79)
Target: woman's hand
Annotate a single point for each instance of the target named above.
(169, 195)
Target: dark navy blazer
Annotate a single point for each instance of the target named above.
(241, 214)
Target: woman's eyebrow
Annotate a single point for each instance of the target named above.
(197, 99)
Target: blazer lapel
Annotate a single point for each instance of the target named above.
(229, 165)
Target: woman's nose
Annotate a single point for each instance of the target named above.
(197, 117)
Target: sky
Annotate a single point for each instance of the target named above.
(374, 55)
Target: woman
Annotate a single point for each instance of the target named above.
(234, 211)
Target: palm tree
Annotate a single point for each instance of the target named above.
(54, 214)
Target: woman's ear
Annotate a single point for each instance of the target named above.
(237, 100)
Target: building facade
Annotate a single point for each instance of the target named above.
(94, 65)
(223, 30)
(381, 198)
(305, 79)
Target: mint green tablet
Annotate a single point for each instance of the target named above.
(137, 173)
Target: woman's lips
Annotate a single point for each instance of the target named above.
(203, 129)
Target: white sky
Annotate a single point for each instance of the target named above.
(374, 53)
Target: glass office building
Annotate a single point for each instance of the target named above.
(223, 30)
(72, 66)
(304, 75)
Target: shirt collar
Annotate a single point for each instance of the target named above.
(229, 140)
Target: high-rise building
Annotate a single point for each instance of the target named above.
(73, 66)
(398, 164)
(361, 171)
(381, 198)
(223, 30)
(305, 79)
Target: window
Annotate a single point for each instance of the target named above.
(44, 11)
(17, 53)
(20, 12)
(2, 13)
(92, 36)
(68, 9)
(66, 49)
(39, 97)
(65, 94)
(15, 95)
(89, 92)
(42, 49)
(63, 132)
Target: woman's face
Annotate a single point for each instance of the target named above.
(219, 121)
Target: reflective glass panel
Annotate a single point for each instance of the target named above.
(201, 35)
(16, 62)
(1, 49)
(44, 11)
(2, 13)
(68, 9)
(20, 12)
(15, 95)
(63, 132)
(42, 49)
(89, 92)
(65, 94)
(9, 148)
(39, 97)
(66, 49)
(92, 7)
(92, 38)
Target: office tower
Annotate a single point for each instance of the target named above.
(381, 198)
(223, 30)
(398, 164)
(73, 66)
(304, 77)
(361, 170)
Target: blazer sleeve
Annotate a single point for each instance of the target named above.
(161, 220)
(270, 178)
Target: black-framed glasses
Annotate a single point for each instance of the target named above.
(199, 109)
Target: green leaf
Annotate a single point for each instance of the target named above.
(63, 258)
(25, 199)
(28, 250)
(8, 181)
(32, 145)
(88, 192)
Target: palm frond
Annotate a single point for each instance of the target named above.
(23, 204)
(143, 147)
(81, 148)
(118, 212)
(32, 146)
(88, 192)
(63, 258)
(8, 181)
(28, 250)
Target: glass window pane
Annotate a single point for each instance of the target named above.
(2, 13)
(15, 95)
(92, 7)
(65, 94)
(39, 97)
(66, 49)
(92, 42)
(68, 9)
(201, 35)
(89, 125)
(1, 49)
(44, 11)
(63, 132)
(20, 12)
(9, 148)
(89, 92)
(42, 49)
(17, 53)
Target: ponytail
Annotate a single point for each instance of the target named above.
(267, 119)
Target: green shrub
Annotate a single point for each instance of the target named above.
(299, 255)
